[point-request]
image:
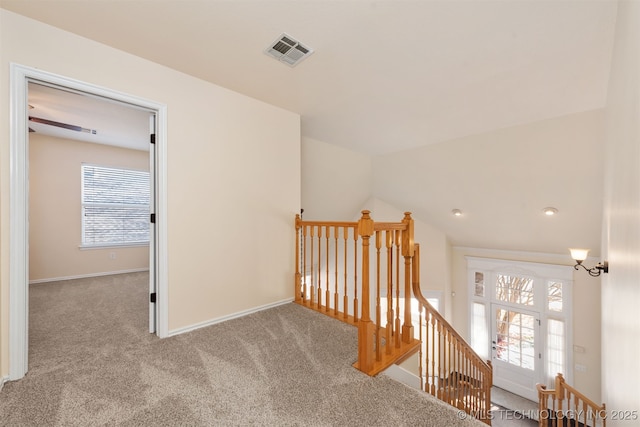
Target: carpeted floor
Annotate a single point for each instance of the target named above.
(92, 362)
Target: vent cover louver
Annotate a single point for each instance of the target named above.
(288, 50)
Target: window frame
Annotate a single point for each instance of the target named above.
(83, 204)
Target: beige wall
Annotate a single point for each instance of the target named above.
(621, 231)
(55, 209)
(335, 181)
(586, 309)
(233, 176)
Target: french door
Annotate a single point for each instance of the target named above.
(521, 320)
(515, 349)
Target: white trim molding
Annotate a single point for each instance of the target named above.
(228, 317)
(20, 76)
(87, 276)
(398, 373)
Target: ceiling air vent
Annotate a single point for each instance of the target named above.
(288, 50)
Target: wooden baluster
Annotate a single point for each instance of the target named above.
(312, 285)
(397, 320)
(475, 403)
(436, 383)
(305, 293)
(449, 369)
(298, 278)
(336, 231)
(422, 347)
(487, 387)
(319, 293)
(459, 386)
(355, 276)
(345, 303)
(475, 378)
(389, 247)
(441, 358)
(378, 235)
(327, 297)
(407, 253)
(472, 403)
(461, 398)
(365, 325)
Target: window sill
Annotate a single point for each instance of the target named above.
(112, 246)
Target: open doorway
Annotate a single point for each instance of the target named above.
(24, 80)
(89, 223)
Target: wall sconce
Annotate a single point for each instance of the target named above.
(580, 255)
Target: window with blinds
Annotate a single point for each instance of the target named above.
(115, 206)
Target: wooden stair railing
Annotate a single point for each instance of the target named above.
(565, 406)
(329, 257)
(449, 368)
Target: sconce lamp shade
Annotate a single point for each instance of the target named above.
(579, 254)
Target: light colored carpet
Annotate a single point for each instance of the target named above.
(92, 362)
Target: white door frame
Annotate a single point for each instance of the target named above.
(19, 204)
(541, 272)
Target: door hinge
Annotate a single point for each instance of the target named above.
(152, 297)
(539, 354)
(153, 218)
(152, 138)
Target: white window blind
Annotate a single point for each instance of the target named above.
(115, 206)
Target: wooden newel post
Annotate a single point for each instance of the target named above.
(560, 393)
(407, 253)
(365, 325)
(298, 277)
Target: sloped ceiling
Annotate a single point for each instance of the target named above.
(386, 76)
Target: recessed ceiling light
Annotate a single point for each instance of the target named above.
(550, 211)
(456, 212)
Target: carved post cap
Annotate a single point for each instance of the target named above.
(365, 225)
(407, 237)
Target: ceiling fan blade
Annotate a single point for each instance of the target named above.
(61, 125)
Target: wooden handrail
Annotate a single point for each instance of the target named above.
(453, 371)
(417, 292)
(330, 255)
(578, 410)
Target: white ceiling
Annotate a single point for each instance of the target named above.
(385, 75)
(106, 121)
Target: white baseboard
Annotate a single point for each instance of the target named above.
(85, 276)
(2, 381)
(400, 374)
(228, 317)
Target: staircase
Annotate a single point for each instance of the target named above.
(565, 406)
(367, 274)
